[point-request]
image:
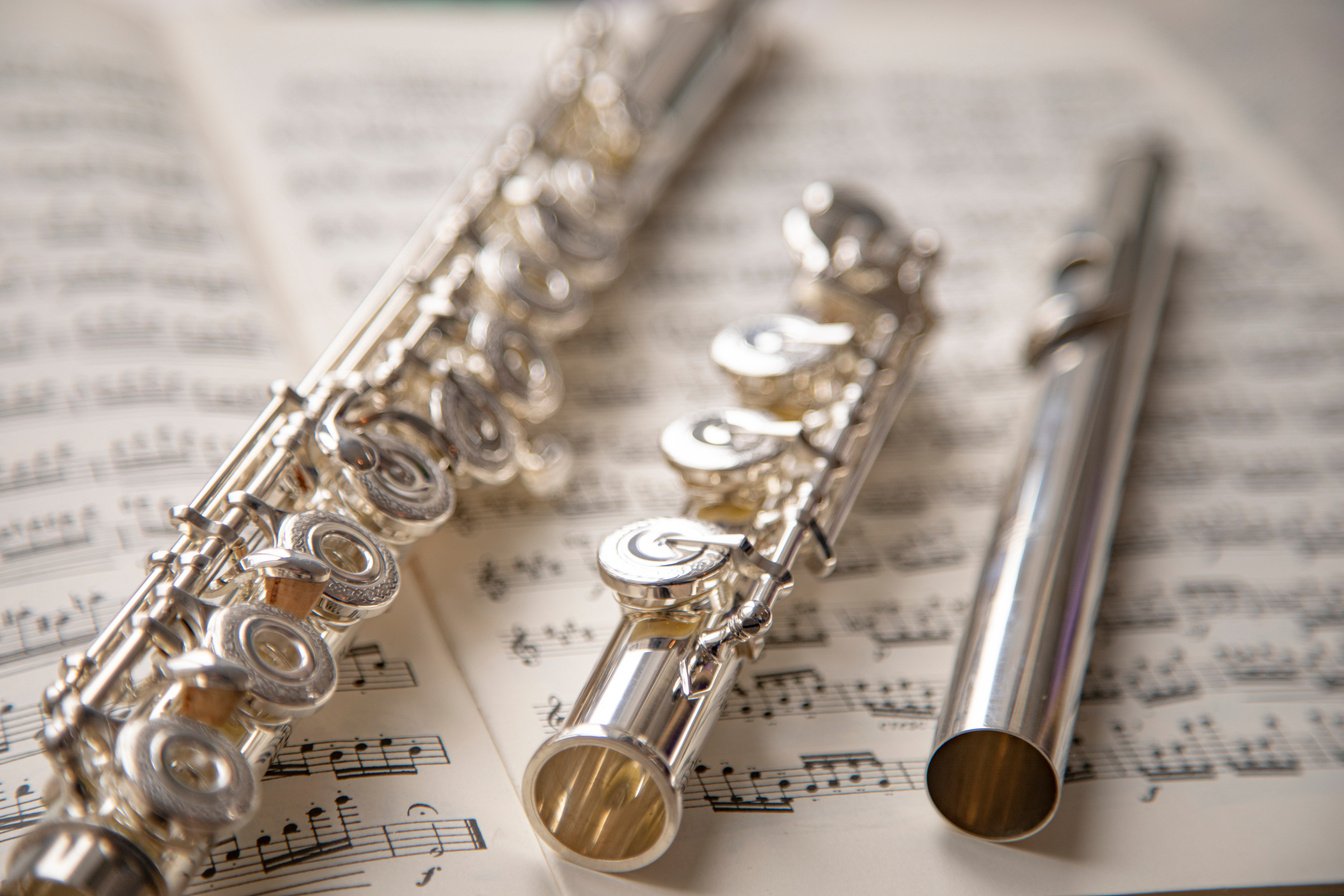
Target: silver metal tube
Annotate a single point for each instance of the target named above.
(698, 591)
(1002, 741)
(703, 54)
(605, 791)
(161, 730)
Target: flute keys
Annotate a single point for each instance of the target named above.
(782, 360)
(58, 854)
(210, 686)
(484, 434)
(187, 773)
(524, 371)
(530, 291)
(560, 215)
(403, 496)
(291, 672)
(725, 448)
(364, 574)
(837, 230)
(662, 562)
(290, 581)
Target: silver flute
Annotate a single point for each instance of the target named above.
(160, 729)
(1002, 741)
(777, 475)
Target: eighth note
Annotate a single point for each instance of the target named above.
(428, 874)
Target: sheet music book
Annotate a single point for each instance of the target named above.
(194, 202)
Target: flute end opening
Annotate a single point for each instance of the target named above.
(993, 785)
(602, 806)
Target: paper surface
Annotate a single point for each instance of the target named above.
(132, 342)
(137, 347)
(1209, 749)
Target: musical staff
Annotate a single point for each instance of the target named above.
(1198, 750)
(891, 623)
(804, 691)
(29, 544)
(19, 810)
(18, 732)
(530, 645)
(1195, 603)
(358, 757)
(154, 388)
(497, 577)
(800, 626)
(364, 668)
(911, 621)
(333, 843)
(27, 634)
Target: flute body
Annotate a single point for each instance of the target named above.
(161, 728)
(768, 480)
(1002, 742)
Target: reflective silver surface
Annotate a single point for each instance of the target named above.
(698, 592)
(159, 729)
(1002, 741)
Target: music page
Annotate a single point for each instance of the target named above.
(136, 347)
(132, 346)
(1209, 749)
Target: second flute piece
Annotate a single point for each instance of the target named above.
(1003, 738)
(819, 390)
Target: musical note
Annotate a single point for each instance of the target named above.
(819, 775)
(152, 451)
(925, 547)
(27, 399)
(333, 842)
(28, 634)
(27, 545)
(18, 729)
(364, 668)
(1168, 679)
(891, 624)
(45, 468)
(1195, 751)
(522, 648)
(1197, 601)
(722, 795)
(358, 758)
(496, 577)
(1258, 662)
(530, 645)
(23, 809)
(799, 625)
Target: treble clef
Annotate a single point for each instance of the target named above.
(522, 648)
(555, 717)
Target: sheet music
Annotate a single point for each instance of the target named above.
(135, 350)
(130, 343)
(1209, 749)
